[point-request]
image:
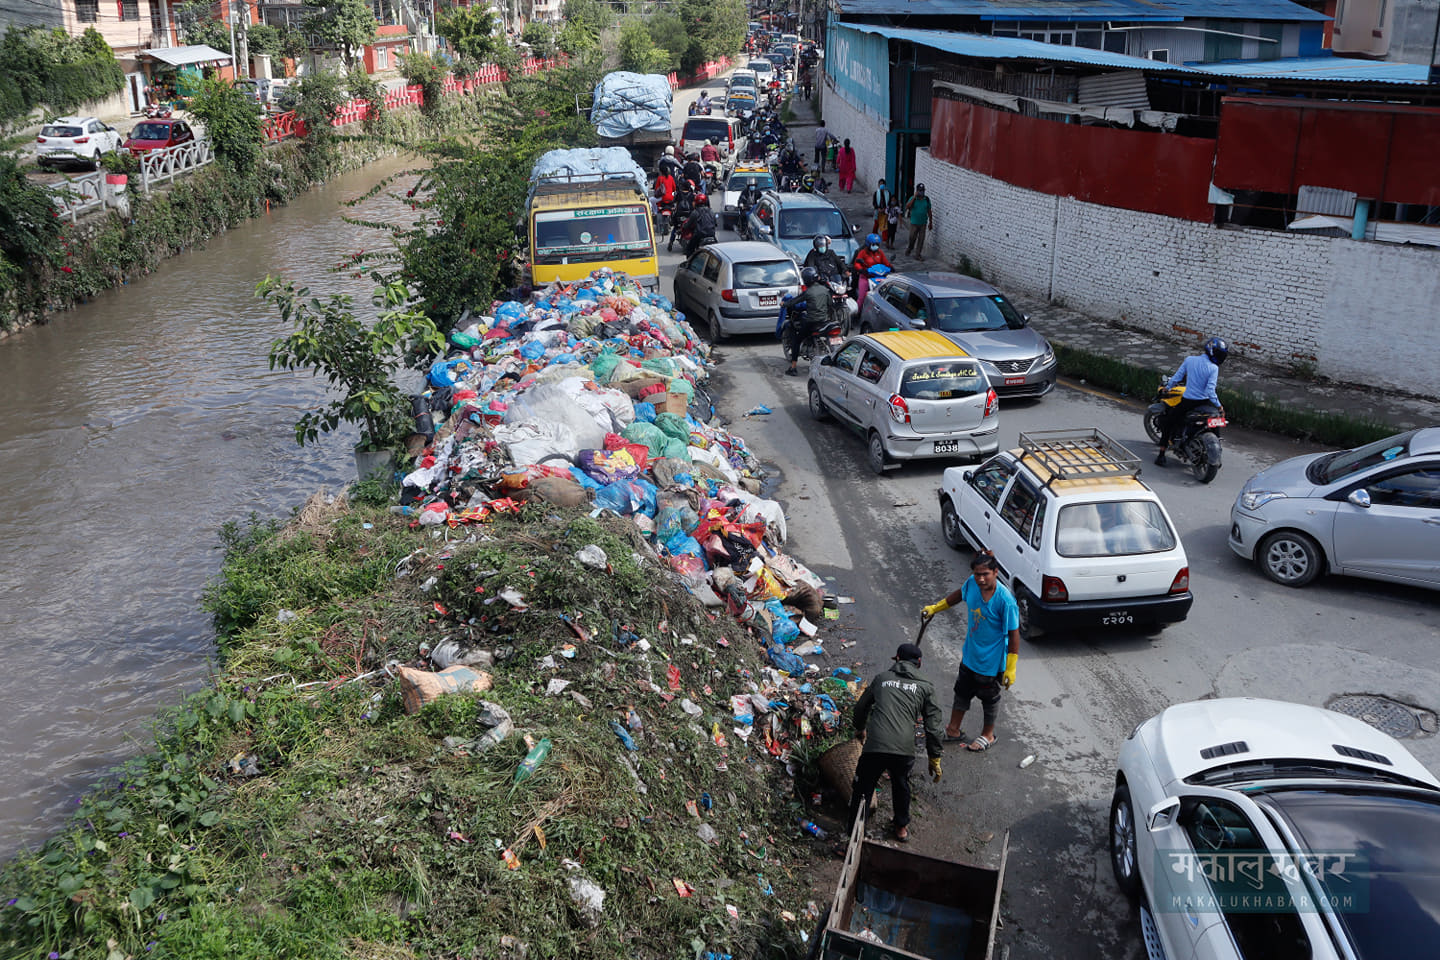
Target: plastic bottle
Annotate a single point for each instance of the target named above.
(813, 829)
(633, 719)
(532, 760)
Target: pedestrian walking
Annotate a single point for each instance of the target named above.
(893, 213)
(821, 135)
(922, 218)
(880, 202)
(885, 717)
(992, 645)
(832, 147)
(845, 167)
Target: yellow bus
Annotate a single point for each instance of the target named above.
(580, 223)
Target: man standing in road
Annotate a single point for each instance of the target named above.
(821, 135)
(992, 645)
(885, 717)
(921, 220)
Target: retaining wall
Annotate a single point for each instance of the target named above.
(864, 131)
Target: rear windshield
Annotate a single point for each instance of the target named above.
(1337, 466)
(1117, 529)
(704, 129)
(797, 224)
(771, 273)
(55, 130)
(964, 314)
(739, 181)
(151, 131)
(586, 236)
(942, 380)
(762, 66)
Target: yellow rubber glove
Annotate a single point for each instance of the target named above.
(935, 769)
(935, 608)
(1008, 677)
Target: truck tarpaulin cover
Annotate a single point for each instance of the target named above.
(626, 102)
(598, 163)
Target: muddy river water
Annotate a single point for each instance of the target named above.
(131, 428)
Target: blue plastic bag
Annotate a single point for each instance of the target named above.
(644, 412)
(510, 310)
(447, 373)
(783, 659)
(533, 350)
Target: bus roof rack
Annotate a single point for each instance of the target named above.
(1079, 455)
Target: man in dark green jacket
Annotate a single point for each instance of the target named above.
(885, 718)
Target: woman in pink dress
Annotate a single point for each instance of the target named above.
(845, 167)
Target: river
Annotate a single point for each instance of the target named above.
(134, 426)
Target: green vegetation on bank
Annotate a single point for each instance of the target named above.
(295, 811)
(1242, 407)
(52, 68)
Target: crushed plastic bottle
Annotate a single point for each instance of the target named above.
(532, 760)
(814, 829)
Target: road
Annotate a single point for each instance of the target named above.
(878, 540)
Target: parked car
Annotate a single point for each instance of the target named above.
(910, 394)
(1373, 512)
(792, 221)
(1081, 540)
(1253, 828)
(741, 177)
(75, 140)
(724, 130)
(735, 287)
(1018, 361)
(158, 134)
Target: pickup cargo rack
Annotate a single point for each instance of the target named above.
(1079, 455)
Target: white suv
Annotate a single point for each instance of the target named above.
(77, 139)
(1081, 540)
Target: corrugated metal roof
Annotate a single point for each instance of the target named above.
(1320, 68)
(1013, 48)
(1061, 10)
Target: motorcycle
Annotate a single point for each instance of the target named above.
(822, 341)
(157, 111)
(843, 309)
(713, 173)
(1198, 443)
(683, 232)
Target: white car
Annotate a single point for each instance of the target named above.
(1258, 829)
(75, 140)
(1082, 542)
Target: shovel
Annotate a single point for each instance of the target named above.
(924, 622)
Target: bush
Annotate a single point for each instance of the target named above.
(52, 68)
(428, 72)
(232, 124)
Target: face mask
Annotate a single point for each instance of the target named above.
(823, 247)
(874, 246)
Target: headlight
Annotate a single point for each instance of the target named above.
(1048, 358)
(1255, 499)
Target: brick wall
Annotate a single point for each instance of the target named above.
(1358, 311)
(863, 131)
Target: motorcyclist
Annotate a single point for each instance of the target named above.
(865, 258)
(710, 153)
(668, 163)
(692, 170)
(665, 187)
(824, 261)
(801, 322)
(700, 224)
(702, 105)
(1200, 374)
(790, 163)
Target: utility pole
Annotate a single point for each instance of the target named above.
(242, 67)
(165, 23)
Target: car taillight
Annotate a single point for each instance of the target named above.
(729, 295)
(1052, 590)
(39, 139)
(899, 409)
(1181, 583)
(992, 403)
(82, 139)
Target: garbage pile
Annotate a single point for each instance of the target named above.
(591, 395)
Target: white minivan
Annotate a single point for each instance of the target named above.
(1081, 541)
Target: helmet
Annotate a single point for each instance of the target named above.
(809, 275)
(702, 197)
(821, 242)
(714, 142)
(1217, 350)
(872, 238)
(669, 151)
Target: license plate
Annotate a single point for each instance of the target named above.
(1116, 618)
(1216, 422)
(947, 446)
(1014, 381)
(769, 301)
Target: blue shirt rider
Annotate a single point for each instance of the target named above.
(1201, 375)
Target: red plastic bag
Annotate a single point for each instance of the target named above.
(641, 453)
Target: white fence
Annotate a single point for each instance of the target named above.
(158, 166)
(79, 195)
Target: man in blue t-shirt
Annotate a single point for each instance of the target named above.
(1201, 376)
(992, 646)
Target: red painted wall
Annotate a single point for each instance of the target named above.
(1134, 170)
(1377, 151)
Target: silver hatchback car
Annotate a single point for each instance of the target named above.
(1373, 511)
(736, 287)
(1018, 361)
(911, 394)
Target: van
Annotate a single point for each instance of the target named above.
(580, 222)
(724, 130)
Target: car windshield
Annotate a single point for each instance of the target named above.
(1380, 854)
(705, 129)
(771, 273)
(741, 102)
(962, 314)
(942, 380)
(587, 236)
(55, 130)
(1335, 467)
(151, 131)
(1118, 528)
(797, 224)
(739, 181)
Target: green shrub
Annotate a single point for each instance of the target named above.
(52, 68)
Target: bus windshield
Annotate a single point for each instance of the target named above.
(592, 235)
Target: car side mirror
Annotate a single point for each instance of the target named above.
(765, 230)
(1163, 814)
(827, 361)
(1360, 497)
(1024, 319)
(968, 475)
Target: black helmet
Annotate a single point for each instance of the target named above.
(809, 275)
(1217, 350)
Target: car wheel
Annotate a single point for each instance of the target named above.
(1026, 605)
(1289, 558)
(717, 332)
(950, 527)
(818, 410)
(95, 160)
(1124, 851)
(875, 453)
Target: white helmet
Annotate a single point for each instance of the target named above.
(669, 151)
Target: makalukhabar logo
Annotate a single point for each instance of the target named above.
(1261, 881)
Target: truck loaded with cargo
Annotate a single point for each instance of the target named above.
(632, 110)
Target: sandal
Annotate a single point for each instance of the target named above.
(980, 744)
(958, 738)
(902, 834)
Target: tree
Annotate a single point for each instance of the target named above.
(29, 236)
(474, 33)
(638, 52)
(668, 32)
(540, 38)
(197, 23)
(348, 24)
(232, 124)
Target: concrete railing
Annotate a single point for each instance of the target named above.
(79, 195)
(158, 166)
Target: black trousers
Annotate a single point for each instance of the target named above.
(867, 775)
(1174, 419)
